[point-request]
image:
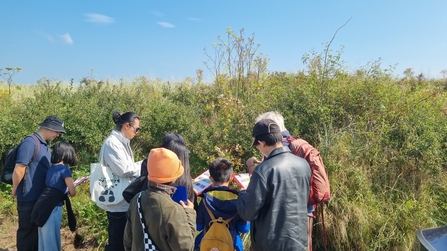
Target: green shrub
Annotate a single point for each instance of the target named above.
(383, 140)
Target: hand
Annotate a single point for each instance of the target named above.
(251, 164)
(251, 161)
(189, 205)
(14, 192)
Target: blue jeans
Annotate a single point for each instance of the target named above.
(117, 223)
(27, 235)
(50, 233)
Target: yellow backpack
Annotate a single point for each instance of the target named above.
(218, 237)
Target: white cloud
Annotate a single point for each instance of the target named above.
(156, 13)
(66, 38)
(166, 25)
(58, 39)
(98, 18)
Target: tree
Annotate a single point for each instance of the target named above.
(444, 73)
(236, 59)
(8, 74)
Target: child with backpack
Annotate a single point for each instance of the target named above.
(47, 213)
(218, 205)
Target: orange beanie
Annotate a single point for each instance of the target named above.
(163, 166)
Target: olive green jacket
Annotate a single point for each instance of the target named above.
(170, 226)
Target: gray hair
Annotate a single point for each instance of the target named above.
(275, 116)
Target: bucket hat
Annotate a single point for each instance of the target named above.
(53, 123)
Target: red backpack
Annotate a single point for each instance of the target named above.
(319, 183)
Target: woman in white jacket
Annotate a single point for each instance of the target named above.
(118, 156)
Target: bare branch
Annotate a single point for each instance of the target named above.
(327, 50)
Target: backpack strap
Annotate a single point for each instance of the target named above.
(324, 227)
(322, 222)
(209, 211)
(37, 148)
(149, 245)
(219, 219)
(213, 219)
(36, 152)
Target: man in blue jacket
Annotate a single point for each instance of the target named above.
(275, 201)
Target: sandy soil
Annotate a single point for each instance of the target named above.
(70, 241)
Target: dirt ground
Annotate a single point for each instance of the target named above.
(70, 241)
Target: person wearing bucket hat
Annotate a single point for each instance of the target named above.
(275, 201)
(28, 179)
(159, 209)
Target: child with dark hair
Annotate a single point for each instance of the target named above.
(221, 200)
(47, 213)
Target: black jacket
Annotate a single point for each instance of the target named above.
(275, 202)
(47, 201)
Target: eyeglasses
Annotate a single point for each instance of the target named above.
(137, 129)
(256, 144)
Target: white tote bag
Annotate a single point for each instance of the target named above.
(106, 188)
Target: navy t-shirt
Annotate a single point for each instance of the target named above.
(56, 177)
(33, 183)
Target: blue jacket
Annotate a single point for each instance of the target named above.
(222, 201)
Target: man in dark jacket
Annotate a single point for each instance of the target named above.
(275, 201)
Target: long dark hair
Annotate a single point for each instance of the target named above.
(170, 137)
(179, 148)
(121, 119)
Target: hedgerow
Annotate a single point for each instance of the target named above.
(383, 139)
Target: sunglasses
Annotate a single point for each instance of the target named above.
(137, 129)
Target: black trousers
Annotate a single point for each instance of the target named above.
(27, 235)
(117, 223)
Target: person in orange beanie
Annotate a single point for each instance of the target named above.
(154, 220)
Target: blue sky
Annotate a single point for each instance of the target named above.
(165, 39)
